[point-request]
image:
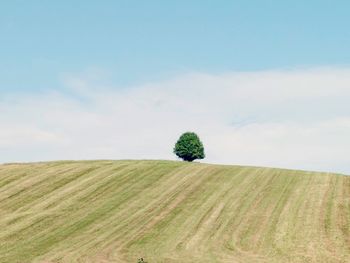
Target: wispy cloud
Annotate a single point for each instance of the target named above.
(295, 119)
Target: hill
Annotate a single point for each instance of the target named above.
(163, 211)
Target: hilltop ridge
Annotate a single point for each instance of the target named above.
(168, 211)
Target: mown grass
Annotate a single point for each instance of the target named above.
(163, 211)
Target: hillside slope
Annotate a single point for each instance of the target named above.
(118, 211)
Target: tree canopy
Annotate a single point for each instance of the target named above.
(189, 147)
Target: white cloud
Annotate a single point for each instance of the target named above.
(294, 119)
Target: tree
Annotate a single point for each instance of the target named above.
(189, 147)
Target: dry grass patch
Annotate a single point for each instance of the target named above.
(163, 211)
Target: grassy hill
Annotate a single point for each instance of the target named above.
(118, 211)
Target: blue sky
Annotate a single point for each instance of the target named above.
(139, 41)
(263, 83)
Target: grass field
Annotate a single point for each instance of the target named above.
(163, 211)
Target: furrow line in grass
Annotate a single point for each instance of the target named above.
(168, 214)
(191, 206)
(259, 215)
(37, 195)
(31, 175)
(218, 197)
(36, 216)
(44, 243)
(276, 212)
(307, 237)
(173, 195)
(242, 205)
(269, 206)
(6, 180)
(172, 224)
(79, 188)
(288, 225)
(32, 209)
(110, 218)
(253, 224)
(127, 226)
(327, 218)
(36, 211)
(136, 208)
(72, 191)
(245, 178)
(60, 215)
(9, 171)
(32, 184)
(334, 232)
(344, 217)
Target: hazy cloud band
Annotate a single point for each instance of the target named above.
(294, 119)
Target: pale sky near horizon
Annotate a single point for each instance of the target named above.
(263, 83)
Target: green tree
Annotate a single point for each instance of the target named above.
(189, 147)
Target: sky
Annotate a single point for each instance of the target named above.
(263, 83)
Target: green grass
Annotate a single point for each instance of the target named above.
(163, 211)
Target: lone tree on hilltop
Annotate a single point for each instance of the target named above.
(189, 147)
